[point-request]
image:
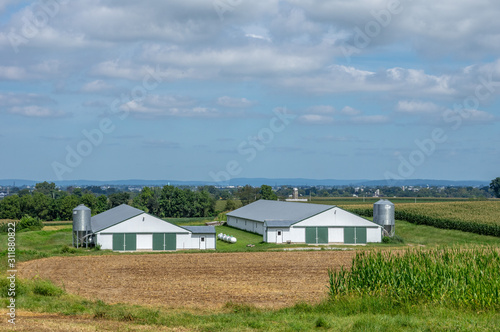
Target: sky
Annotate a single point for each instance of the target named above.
(212, 90)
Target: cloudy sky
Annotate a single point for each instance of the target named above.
(207, 90)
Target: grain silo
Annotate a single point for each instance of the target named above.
(383, 215)
(81, 226)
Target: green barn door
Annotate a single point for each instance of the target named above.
(322, 235)
(316, 235)
(130, 241)
(311, 235)
(349, 235)
(119, 241)
(170, 241)
(353, 235)
(158, 241)
(360, 234)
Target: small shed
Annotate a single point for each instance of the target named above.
(125, 228)
(280, 222)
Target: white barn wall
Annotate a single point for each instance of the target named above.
(246, 225)
(297, 234)
(183, 241)
(336, 235)
(335, 217)
(373, 235)
(144, 242)
(209, 241)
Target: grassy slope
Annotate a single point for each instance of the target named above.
(359, 314)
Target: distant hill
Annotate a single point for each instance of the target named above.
(257, 182)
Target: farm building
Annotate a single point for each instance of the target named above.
(125, 228)
(280, 222)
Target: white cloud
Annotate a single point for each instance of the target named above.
(30, 105)
(251, 35)
(13, 73)
(347, 110)
(416, 107)
(315, 119)
(154, 106)
(234, 102)
(96, 86)
(35, 111)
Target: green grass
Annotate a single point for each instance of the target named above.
(220, 205)
(244, 238)
(188, 221)
(431, 236)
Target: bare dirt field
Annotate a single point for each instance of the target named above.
(42, 322)
(197, 280)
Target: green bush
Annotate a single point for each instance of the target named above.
(67, 249)
(27, 222)
(46, 288)
(322, 322)
(393, 239)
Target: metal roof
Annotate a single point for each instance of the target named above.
(81, 207)
(113, 216)
(384, 202)
(279, 223)
(200, 229)
(278, 211)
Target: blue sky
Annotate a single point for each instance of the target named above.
(207, 90)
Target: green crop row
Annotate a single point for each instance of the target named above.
(464, 278)
(476, 217)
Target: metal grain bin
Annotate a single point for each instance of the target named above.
(383, 215)
(81, 225)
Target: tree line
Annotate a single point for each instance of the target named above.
(175, 202)
(46, 202)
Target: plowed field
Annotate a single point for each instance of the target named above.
(206, 280)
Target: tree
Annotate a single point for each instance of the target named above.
(247, 194)
(118, 199)
(101, 205)
(41, 204)
(89, 200)
(495, 186)
(10, 207)
(66, 205)
(266, 192)
(46, 188)
(230, 205)
(24, 192)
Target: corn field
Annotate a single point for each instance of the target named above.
(458, 277)
(477, 217)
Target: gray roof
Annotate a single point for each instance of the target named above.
(113, 216)
(384, 202)
(81, 207)
(200, 229)
(279, 223)
(278, 211)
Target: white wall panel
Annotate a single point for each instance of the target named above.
(144, 241)
(105, 240)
